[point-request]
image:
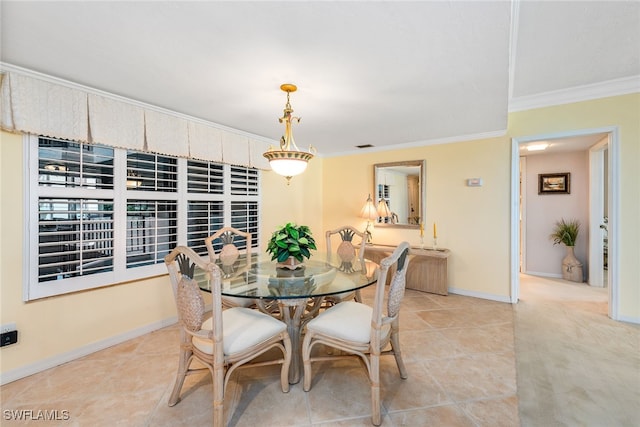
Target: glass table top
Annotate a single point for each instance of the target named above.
(261, 278)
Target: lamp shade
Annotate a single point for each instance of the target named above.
(288, 163)
(383, 209)
(369, 210)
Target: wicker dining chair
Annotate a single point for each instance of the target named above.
(347, 257)
(227, 256)
(227, 340)
(359, 330)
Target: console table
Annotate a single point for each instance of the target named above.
(427, 269)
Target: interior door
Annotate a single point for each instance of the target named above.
(597, 213)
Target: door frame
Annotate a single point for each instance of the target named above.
(596, 201)
(613, 206)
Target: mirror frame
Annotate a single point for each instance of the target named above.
(423, 195)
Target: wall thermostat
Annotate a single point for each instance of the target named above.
(474, 182)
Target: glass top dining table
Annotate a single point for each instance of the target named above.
(292, 295)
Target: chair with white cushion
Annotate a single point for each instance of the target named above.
(229, 339)
(363, 331)
(347, 257)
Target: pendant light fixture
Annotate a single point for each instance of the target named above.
(288, 161)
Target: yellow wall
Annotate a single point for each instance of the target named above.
(57, 325)
(472, 222)
(299, 202)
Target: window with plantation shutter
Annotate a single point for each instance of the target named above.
(204, 218)
(72, 165)
(244, 180)
(152, 231)
(151, 172)
(205, 177)
(244, 216)
(72, 210)
(75, 237)
(152, 221)
(221, 195)
(99, 215)
(244, 211)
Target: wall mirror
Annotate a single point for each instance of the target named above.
(400, 193)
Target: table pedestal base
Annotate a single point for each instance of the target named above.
(292, 312)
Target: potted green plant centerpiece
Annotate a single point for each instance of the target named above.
(566, 232)
(290, 244)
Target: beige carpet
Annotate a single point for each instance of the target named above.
(575, 366)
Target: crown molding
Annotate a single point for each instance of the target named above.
(623, 86)
(424, 143)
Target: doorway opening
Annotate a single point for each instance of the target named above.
(600, 222)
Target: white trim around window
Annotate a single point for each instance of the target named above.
(99, 215)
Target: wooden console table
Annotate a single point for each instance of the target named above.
(427, 269)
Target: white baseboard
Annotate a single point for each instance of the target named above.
(628, 319)
(482, 295)
(42, 365)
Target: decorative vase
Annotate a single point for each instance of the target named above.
(571, 266)
(291, 263)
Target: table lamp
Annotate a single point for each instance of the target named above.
(370, 213)
(383, 209)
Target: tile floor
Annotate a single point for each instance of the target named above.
(459, 352)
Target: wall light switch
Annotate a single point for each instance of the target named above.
(474, 182)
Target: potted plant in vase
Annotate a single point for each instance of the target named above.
(290, 244)
(566, 232)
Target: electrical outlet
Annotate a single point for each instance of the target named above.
(8, 338)
(8, 327)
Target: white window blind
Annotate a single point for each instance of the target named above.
(244, 213)
(70, 164)
(75, 230)
(204, 218)
(205, 177)
(113, 214)
(244, 216)
(152, 231)
(151, 172)
(76, 237)
(244, 180)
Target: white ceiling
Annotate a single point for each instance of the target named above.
(380, 73)
(559, 145)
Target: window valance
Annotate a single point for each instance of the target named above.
(41, 107)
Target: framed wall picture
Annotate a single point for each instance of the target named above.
(554, 183)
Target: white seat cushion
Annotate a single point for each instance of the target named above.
(348, 320)
(207, 325)
(242, 328)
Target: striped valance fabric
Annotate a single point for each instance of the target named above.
(41, 107)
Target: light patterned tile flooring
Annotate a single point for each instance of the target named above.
(459, 353)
